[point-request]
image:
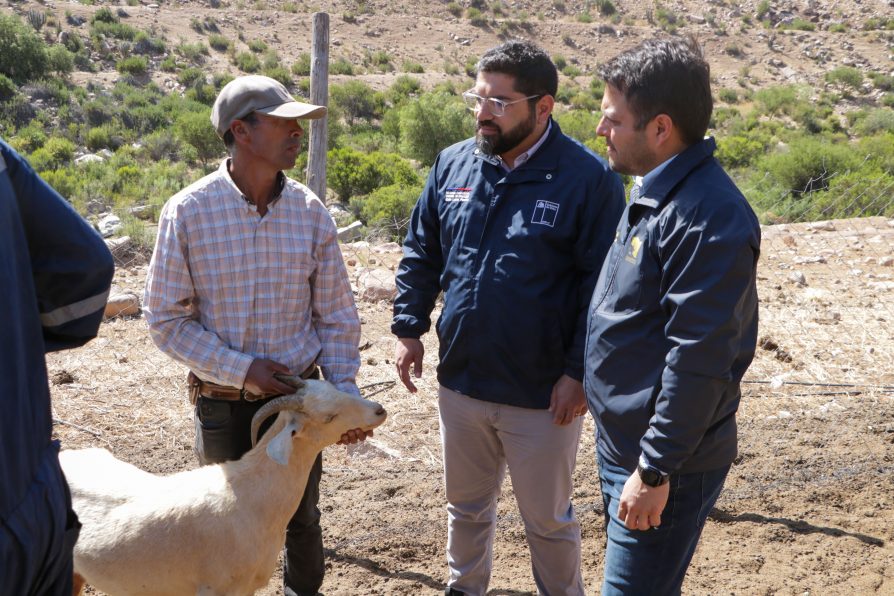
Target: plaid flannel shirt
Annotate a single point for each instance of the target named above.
(226, 286)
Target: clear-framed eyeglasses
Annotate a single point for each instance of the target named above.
(497, 107)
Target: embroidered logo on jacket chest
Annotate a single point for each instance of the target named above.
(545, 213)
(457, 194)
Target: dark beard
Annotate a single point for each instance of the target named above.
(500, 143)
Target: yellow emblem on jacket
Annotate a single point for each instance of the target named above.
(636, 243)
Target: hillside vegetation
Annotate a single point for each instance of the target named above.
(110, 103)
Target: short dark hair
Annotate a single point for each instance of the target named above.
(228, 138)
(665, 76)
(534, 72)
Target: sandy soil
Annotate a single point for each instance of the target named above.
(808, 507)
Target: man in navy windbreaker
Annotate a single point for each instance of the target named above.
(55, 274)
(673, 322)
(512, 226)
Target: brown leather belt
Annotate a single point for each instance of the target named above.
(197, 387)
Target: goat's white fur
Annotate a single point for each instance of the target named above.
(217, 529)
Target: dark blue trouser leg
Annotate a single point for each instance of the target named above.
(655, 561)
(38, 537)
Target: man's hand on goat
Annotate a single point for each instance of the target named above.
(353, 436)
(408, 351)
(260, 380)
(567, 400)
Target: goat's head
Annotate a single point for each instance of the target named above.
(317, 412)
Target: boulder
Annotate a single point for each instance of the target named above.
(122, 305)
(376, 285)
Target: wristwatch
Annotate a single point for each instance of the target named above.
(650, 476)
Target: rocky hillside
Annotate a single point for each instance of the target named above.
(751, 44)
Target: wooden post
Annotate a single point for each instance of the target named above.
(319, 95)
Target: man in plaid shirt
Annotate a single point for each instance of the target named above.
(247, 280)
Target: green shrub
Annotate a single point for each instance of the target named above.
(606, 7)
(169, 64)
(59, 60)
(798, 25)
(877, 23)
(353, 173)
(146, 44)
(572, 71)
(402, 88)
(432, 123)
(878, 120)
(878, 151)
(107, 24)
(808, 164)
(219, 42)
(763, 8)
(838, 28)
(247, 62)
(98, 138)
(270, 59)
(194, 52)
(728, 95)
(55, 153)
(104, 15)
(412, 67)
(194, 129)
(8, 88)
(66, 181)
(356, 100)
(585, 17)
(162, 144)
(279, 73)
(341, 66)
(738, 151)
(666, 18)
(454, 8)
(386, 211)
(301, 67)
(881, 81)
(188, 76)
(29, 138)
(846, 76)
(476, 17)
(862, 193)
(578, 124)
(24, 55)
(133, 65)
(780, 100)
(257, 46)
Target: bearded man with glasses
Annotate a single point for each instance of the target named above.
(512, 227)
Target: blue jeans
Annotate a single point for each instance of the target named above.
(654, 562)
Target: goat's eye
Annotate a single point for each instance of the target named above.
(330, 418)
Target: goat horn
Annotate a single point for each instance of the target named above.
(285, 402)
(294, 381)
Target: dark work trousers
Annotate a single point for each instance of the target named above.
(223, 432)
(37, 539)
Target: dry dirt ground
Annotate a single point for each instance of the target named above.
(808, 507)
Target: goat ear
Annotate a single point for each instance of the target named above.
(280, 447)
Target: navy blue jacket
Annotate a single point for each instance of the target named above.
(516, 255)
(673, 322)
(55, 274)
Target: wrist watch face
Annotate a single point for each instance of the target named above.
(651, 477)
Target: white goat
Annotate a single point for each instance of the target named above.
(217, 529)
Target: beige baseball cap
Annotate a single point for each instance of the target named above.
(256, 93)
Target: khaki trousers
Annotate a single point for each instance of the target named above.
(480, 441)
